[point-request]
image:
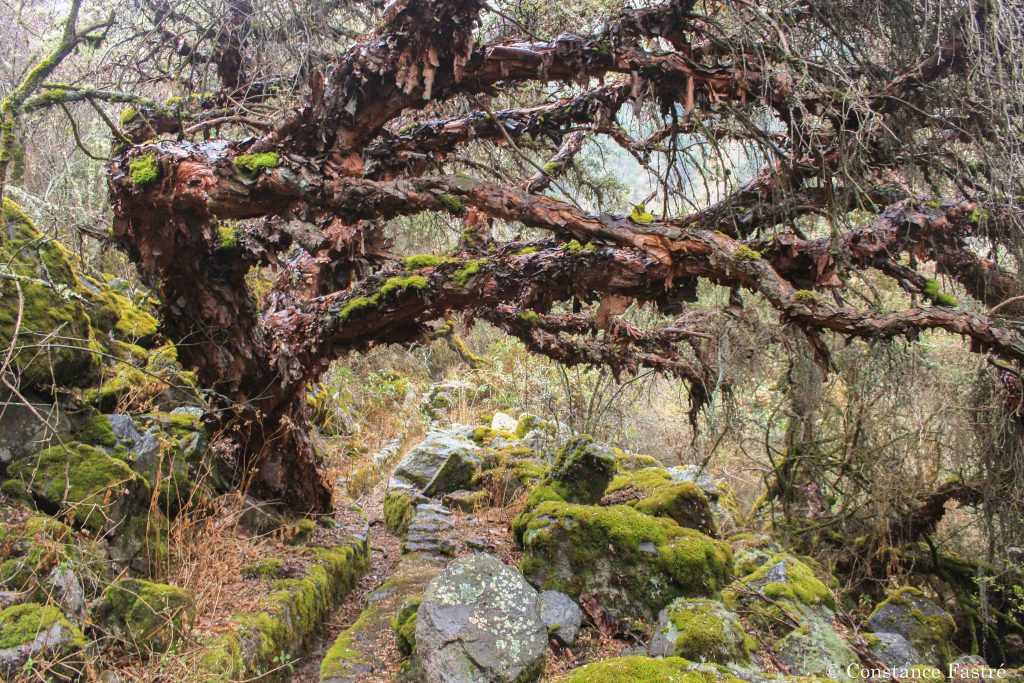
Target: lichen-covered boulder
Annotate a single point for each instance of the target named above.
(814, 649)
(653, 492)
(52, 330)
(928, 627)
(39, 641)
(479, 622)
(445, 461)
(632, 563)
(150, 617)
(582, 471)
(97, 490)
(561, 615)
(892, 650)
(699, 630)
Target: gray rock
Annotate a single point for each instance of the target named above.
(444, 462)
(142, 445)
(479, 622)
(10, 598)
(22, 433)
(561, 615)
(893, 650)
(503, 422)
(928, 627)
(68, 591)
(693, 475)
(428, 532)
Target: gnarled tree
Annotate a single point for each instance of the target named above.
(896, 123)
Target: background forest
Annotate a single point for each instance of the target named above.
(277, 277)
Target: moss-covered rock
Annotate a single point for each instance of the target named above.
(582, 470)
(928, 627)
(287, 618)
(267, 569)
(400, 506)
(55, 342)
(644, 670)
(149, 617)
(700, 630)
(31, 549)
(404, 624)
(466, 501)
(782, 591)
(118, 315)
(652, 491)
(632, 563)
(37, 642)
(95, 489)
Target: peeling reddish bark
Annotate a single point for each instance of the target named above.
(344, 168)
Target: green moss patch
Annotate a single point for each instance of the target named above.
(391, 286)
(644, 670)
(143, 170)
(54, 343)
(702, 630)
(253, 164)
(659, 496)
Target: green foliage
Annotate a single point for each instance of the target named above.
(143, 170)
(253, 164)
